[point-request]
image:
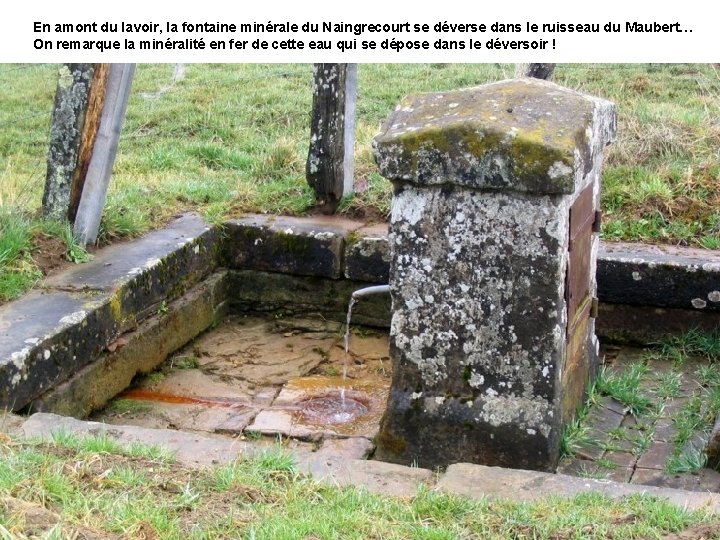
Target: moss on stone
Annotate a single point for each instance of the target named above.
(352, 238)
(390, 443)
(532, 131)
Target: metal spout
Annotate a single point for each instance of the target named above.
(375, 289)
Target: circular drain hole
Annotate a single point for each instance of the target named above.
(331, 410)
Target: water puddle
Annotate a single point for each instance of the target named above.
(331, 409)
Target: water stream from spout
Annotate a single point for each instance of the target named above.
(346, 358)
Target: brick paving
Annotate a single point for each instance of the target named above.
(645, 449)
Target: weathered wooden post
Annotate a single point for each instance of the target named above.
(492, 272)
(329, 167)
(92, 201)
(78, 104)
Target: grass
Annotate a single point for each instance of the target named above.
(228, 139)
(625, 387)
(576, 433)
(82, 486)
(649, 388)
(693, 343)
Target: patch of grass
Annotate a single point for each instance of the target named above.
(688, 461)
(185, 362)
(692, 343)
(155, 377)
(625, 387)
(265, 498)
(668, 384)
(708, 375)
(606, 464)
(17, 271)
(576, 433)
(229, 139)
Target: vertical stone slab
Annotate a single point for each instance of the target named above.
(71, 100)
(330, 163)
(485, 180)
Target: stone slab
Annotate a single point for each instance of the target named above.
(345, 449)
(306, 247)
(367, 255)
(590, 469)
(10, 423)
(487, 137)
(268, 292)
(621, 459)
(48, 335)
(375, 476)
(657, 275)
(188, 237)
(624, 323)
(661, 479)
(612, 404)
(190, 449)
(478, 481)
(187, 417)
(144, 349)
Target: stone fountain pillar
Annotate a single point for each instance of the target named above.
(492, 270)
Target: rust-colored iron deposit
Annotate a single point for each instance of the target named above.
(140, 394)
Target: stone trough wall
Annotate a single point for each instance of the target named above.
(72, 344)
(646, 292)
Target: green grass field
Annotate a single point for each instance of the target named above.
(71, 488)
(233, 138)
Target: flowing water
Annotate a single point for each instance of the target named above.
(353, 301)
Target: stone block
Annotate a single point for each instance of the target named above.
(144, 349)
(367, 255)
(521, 135)
(188, 448)
(305, 247)
(46, 336)
(375, 476)
(143, 273)
(713, 446)
(492, 270)
(662, 276)
(291, 418)
(479, 482)
(656, 456)
(268, 292)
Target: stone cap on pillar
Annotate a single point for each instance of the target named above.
(526, 135)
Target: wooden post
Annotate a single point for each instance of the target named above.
(96, 102)
(536, 71)
(73, 93)
(87, 220)
(330, 163)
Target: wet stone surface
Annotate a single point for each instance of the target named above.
(250, 377)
